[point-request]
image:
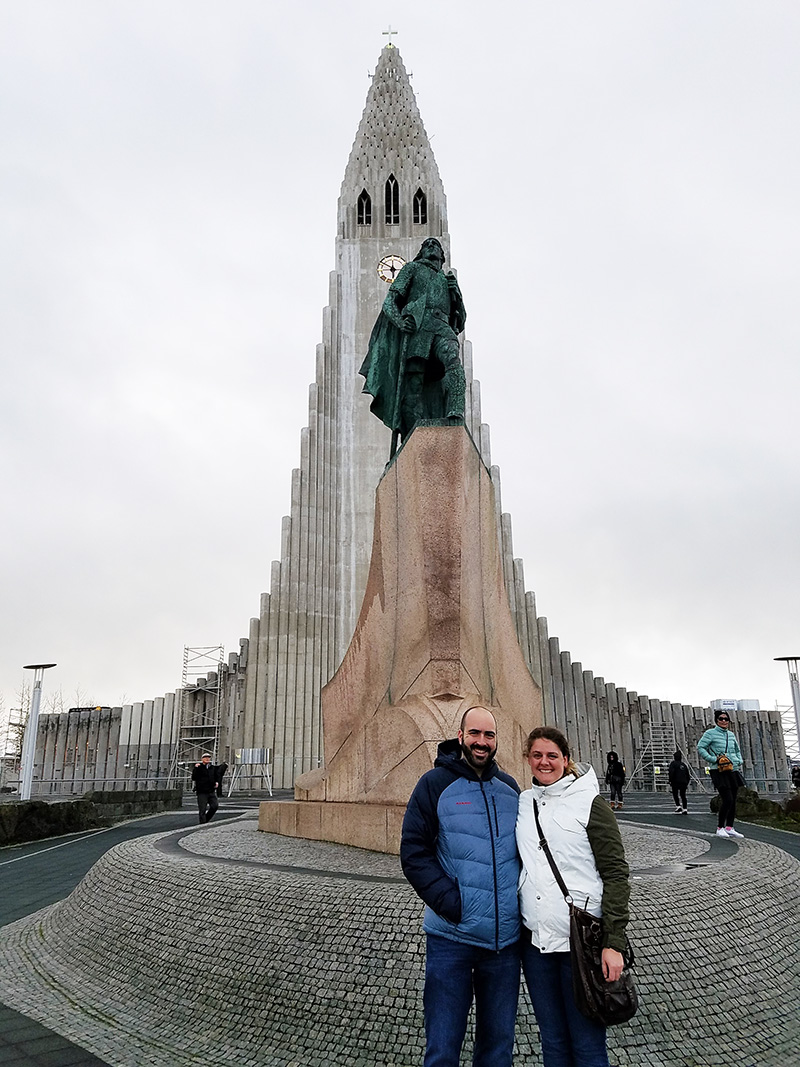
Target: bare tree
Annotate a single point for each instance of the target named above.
(54, 702)
(82, 700)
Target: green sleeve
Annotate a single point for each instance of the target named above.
(609, 855)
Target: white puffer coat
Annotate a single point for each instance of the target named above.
(564, 810)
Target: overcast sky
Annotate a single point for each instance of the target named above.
(622, 182)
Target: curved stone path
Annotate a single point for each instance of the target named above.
(251, 949)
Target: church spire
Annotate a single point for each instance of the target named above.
(391, 184)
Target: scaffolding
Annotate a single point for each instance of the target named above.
(655, 757)
(790, 736)
(11, 727)
(200, 709)
(652, 766)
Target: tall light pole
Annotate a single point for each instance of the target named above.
(31, 729)
(791, 663)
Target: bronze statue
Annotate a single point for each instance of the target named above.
(412, 369)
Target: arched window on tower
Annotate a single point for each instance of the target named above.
(392, 201)
(420, 208)
(364, 209)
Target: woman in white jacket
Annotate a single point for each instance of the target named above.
(585, 841)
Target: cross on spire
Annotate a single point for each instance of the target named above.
(390, 33)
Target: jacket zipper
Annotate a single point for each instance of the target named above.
(494, 867)
(496, 823)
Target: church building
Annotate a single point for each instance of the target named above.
(267, 695)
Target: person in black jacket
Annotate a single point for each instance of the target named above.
(459, 852)
(679, 777)
(206, 779)
(615, 778)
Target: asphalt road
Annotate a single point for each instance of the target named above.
(657, 809)
(38, 874)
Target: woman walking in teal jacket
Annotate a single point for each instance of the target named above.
(720, 749)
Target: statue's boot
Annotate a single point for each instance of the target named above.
(455, 390)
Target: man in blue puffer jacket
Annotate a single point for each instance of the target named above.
(459, 852)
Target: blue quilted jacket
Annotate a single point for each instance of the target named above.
(459, 851)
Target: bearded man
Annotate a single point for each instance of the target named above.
(458, 850)
(412, 369)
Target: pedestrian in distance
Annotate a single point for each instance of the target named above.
(615, 779)
(206, 779)
(720, 749)
(459, 852)
(585, 842)
(679, 778)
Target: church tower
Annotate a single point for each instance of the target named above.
(391, 199)
(268, 695)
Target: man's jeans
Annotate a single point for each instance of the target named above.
(452, 971)
(568, 1038)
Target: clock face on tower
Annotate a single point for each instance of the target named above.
(389, 267)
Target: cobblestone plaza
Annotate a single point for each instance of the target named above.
(318, 954)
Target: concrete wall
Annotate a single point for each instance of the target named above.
(106, 748)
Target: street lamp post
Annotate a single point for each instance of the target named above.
(31, 729)
(791, 663)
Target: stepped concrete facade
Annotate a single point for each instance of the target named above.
(269, 691)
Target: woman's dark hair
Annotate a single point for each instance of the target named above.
(722, 711)
(550, 733)
(678, 757)
(612, 757)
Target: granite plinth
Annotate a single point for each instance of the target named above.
(435, 635)
(371, 826)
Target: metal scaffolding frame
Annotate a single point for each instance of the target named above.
(198, 733)
(656, 756)
(790, 735)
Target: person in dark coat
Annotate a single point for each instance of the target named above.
(459, 852)
(679, 777)
(615, 779)
(206, 779)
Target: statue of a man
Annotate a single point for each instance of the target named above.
(412, 369)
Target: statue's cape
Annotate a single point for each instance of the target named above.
(381, 368)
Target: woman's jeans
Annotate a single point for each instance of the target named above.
(568, 1038)
(452, 971)
(726, 785)
(616, 792)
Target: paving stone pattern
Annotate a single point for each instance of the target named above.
(324, 969)
(242, 841)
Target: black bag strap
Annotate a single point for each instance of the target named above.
(546, 849)
(628, 953)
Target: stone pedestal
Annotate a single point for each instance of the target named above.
(434, 637)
